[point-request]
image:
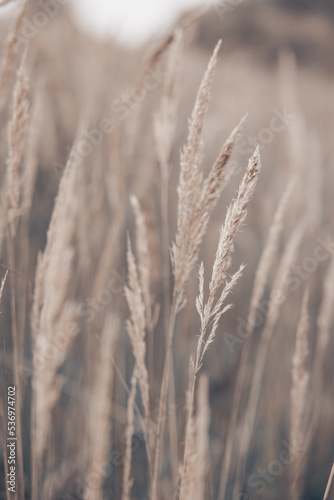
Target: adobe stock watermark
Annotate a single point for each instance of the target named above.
(12, 216)
(279, 121)
(103, 470)
(121, 110)
(260, 480)
(293, 279)
(59, 340)
(223, 7)
(29, 28)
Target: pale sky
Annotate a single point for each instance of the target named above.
(131, 20)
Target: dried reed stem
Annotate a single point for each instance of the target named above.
(300, 380)
(188, 475)
(261, 276)
(196, 465)
(212, 311)
(164, 128)
(127, 481)
(143, 256)
(16, 139)
(53, 315)
(136, 328)
(195, 205)
(31, 156)
(329, 483)
(2, 286)
(184, 253)
(324, 323)
(300, 376)
(277, 298)
(202, 437)
(101, 405)
(10, 51)
(165, 119)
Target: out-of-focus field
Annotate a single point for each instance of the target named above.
(101, 99)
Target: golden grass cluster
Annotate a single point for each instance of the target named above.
(162, 346)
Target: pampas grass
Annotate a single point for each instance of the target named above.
(16, 140)
(212, 311)
(196, 200)
(16, 137)
(53, 315)
(137, 329)
(10, 52)
(260, 279)
(125, 385)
